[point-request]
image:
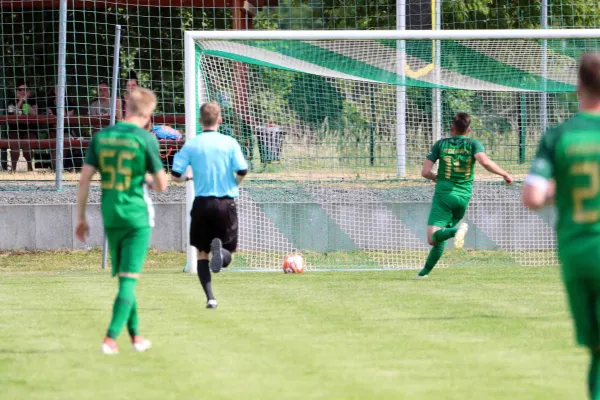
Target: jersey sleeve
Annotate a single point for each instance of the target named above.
(237, 158)
(153, 160)
(477, 147)
(91, 158)
(181, 160)
(543, 164)
(434, 152)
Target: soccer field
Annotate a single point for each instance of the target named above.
(472, 332)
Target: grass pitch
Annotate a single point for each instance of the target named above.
(476, 333)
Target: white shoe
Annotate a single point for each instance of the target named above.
(421, 276)
(109, 347)
(459, 239)
(140, 344)
(211, 304)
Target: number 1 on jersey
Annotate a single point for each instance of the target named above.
(454, 166)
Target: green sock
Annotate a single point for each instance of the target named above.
(434, 256)
(122, 306)
(132, 322)
(444, 234)
(593, 388)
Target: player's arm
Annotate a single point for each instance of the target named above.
(181, 161)
(156, 178)
(238, 161)
(426, 171)
(539, 187)
(82, 228)
(492, 167)
(430, 159)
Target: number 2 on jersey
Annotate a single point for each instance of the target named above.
(454, 166)
(119, 176)
(589, 169)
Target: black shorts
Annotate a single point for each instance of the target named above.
(212, 218)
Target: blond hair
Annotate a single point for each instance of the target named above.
(210, 114)
(141, 102)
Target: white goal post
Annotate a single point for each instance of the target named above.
(197, 92)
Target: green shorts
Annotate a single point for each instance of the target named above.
(447, 210)
(128, 248)
(584, 301)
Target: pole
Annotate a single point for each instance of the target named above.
(544, 97)
(113, 113)
(401, 91)
(194, 91)
(60, 96)
(372, 133)
(522, 127)
(437, 93)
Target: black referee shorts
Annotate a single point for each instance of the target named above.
(214, 217)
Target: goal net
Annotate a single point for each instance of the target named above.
(336, 132)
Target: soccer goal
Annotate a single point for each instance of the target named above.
(336, 125)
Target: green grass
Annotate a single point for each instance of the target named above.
(473, 332)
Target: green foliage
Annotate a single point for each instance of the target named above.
(316, 101)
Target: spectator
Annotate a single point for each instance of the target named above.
(132, 83)
(50, 102)
(100, 107)
(22, 103)
(49, 108)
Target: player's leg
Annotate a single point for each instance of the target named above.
(200, 238)
(584, 302)
(134, 252)
(440, 216)
(113, 236)
(223, 247)
(459, 209)
(131, 251)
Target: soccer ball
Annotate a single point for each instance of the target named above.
(293, 264)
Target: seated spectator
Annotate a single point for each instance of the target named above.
(100, 107)
(50, 102)
(132, 83)
(21, 103)
(49, 106)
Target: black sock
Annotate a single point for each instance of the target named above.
(593, 374)
(205, 279)
(226, 257)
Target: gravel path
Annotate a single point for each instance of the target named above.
(44, 193)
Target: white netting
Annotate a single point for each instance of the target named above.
(321, 135)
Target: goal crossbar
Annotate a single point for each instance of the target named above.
(476, 34)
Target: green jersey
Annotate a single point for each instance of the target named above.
(570, 153)
(457, 162)
(123, 153)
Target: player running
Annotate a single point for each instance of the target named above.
(454, 185)
(218, 168)
(569, 155)
(123, 154)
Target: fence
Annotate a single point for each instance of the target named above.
(152, 56)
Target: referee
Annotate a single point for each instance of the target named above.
(218, 167)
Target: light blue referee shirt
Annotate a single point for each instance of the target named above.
(215, 158)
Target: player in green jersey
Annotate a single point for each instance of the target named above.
(454, 184)
(568, 163)
(126, 155)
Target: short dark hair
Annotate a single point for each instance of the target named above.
(461, 122)
(589, 73)
(22, 82)
(102, 82)
(210, 113)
